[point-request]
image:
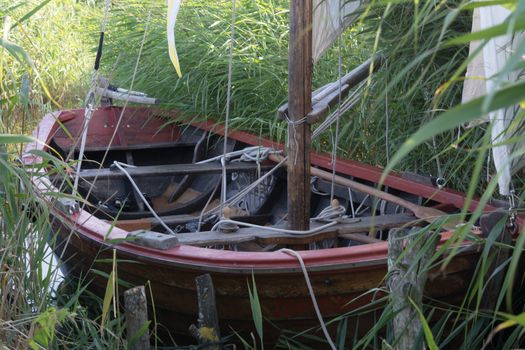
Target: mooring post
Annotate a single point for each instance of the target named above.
(498, 251)
(207, 332)
(407, 275)
(136, 311)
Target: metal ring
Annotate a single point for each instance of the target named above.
(440, 182)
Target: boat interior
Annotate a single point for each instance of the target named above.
(172, 185)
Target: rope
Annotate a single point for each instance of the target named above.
(387, 120)
(228, 101)
(350, 101)
(312, 295)
(294, 124)
(139, 193)
(90, 98)
(247, 154)
(335, 139)
(351, 200)
(329, 213)
(126, 101)
(240, 195)
(257, 153)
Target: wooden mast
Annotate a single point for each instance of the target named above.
(300, 101)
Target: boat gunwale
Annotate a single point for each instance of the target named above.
(359, 257)
(191, 257)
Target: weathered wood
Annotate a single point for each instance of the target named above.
(300, 104)
(494, 229)
(327, 95)
(321, 108)
(408, 265)
(136, 311)
(207, 332)
(167, 170)
(181, 219)
(260, 236)
(155, 240)
(122, 96)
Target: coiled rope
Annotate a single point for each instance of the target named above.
(228, 102)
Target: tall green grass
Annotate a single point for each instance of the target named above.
(50, 59)
(51, 68)
(409, 35)
(43, 64)
(202, 35)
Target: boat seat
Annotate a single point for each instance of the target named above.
(261, 236)
(153, 146)
(168, 170)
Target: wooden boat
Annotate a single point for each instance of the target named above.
(343, 262)
(345, 255)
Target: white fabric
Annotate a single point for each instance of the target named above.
(482, 71)
(474, 85)
(330, 18)
(173, 10)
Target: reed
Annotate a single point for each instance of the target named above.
(410, 37)
(36, 309)
(419, 81)
(202, 36)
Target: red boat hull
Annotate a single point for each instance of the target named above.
(342, 278)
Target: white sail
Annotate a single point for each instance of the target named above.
(330, 18)
(481, 72)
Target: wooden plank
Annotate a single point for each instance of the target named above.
(300, 104)
(168, 169)
(207, 332)
(327, 95)
(364, 225)
(321, 108)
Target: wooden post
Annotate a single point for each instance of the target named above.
(136, 311)
(208, 330)
(407, 275)
(300, 101)
(500, 255)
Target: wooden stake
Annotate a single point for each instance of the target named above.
(300, 101)
(407, 275)
(136, 311)
(208, 330)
